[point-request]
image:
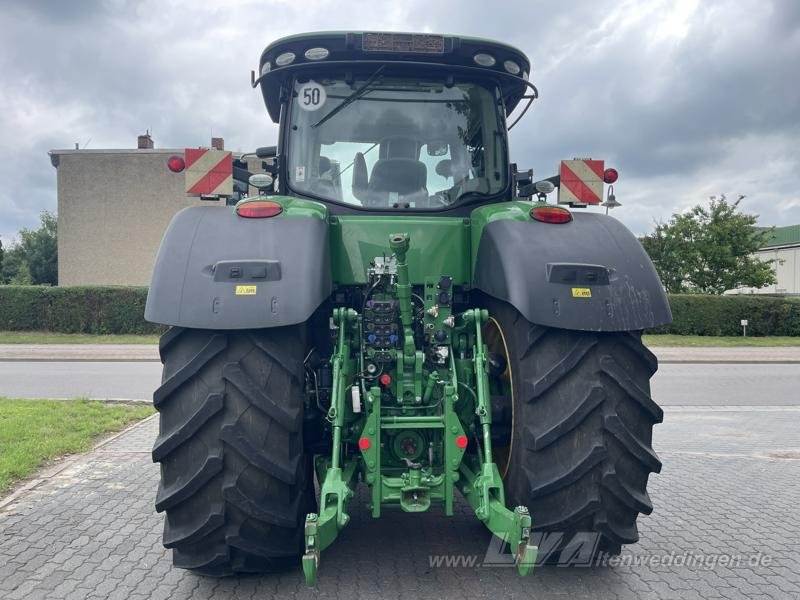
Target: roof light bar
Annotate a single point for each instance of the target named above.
(284, 59)
(511, 67)
(317, 53)
(484, 60)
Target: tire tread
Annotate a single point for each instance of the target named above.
(233, 481)
(584, 416)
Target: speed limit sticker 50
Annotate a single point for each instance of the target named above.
(311, 96)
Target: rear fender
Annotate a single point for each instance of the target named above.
(591, 274)
(215, 270)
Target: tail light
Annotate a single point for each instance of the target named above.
(610, 175)
(259, 209)
(176, 164)
(551, 214)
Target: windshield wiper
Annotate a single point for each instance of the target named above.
(352, 97)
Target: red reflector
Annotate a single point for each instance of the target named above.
(551, 214)
(176, 164)
(461, 441)
(385, 379)
(364, 443)
(259, 209)
(610, 175)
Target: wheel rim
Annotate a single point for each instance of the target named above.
(495, 341)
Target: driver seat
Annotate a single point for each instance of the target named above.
(397, 180)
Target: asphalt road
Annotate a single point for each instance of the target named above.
(674, 384)
(117, 380)
(757, 384)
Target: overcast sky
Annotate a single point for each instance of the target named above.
(685, 98)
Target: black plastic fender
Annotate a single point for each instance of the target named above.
(544, 270)
(215, 270)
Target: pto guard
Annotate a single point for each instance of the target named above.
(215, 270)
(590, 274)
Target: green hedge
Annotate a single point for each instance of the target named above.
(121, 310)
(100, 310)
(695, 314)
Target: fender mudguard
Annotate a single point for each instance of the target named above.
(215, 270)
(590, 274)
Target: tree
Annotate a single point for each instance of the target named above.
(34, 258)
(710, 249)
(22, 276)
(12, 261)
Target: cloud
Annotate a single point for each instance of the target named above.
(685, 98)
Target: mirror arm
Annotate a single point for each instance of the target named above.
(241, 174)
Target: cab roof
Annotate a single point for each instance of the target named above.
(408, 52)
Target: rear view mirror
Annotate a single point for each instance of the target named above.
(267, 152)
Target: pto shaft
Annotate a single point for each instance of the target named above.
(399, 243)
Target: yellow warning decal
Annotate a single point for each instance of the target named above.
(579, 293)
(245, 290)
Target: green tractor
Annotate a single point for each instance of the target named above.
(400, 307)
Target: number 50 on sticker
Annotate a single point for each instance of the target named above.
(311, 96)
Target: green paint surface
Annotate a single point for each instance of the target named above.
(517, 210)
(439, 246)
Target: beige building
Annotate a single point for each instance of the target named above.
(783, 250)
(113, 208)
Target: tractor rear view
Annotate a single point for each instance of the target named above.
(400, 307)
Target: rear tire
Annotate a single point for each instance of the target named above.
(581, 445)
(235, 482)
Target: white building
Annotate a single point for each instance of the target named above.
(783, 249)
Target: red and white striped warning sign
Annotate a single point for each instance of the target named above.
(208, 172)
(581, 181)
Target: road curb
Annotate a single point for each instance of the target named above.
(708, 361)
(675, 408)
(113, 353)
(57, 358)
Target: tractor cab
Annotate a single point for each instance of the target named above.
(383, 121)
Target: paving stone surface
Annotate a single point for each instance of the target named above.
(725, 526)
